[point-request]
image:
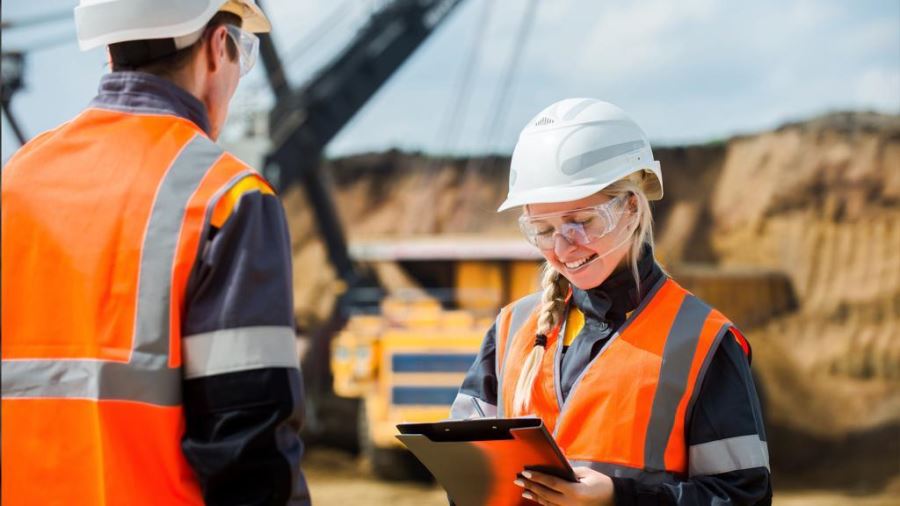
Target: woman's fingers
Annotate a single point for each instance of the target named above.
(548, 481)
(539, 491)
(539, 500)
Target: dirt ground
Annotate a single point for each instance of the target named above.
(337, 479)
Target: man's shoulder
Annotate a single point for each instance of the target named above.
(247, 182)
(40, 141)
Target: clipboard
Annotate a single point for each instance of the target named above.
(477, 460)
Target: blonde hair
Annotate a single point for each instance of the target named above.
(556, 286)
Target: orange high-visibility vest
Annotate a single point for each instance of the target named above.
(102, 221)
(627, 413)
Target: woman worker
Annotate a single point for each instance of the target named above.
(646, 389)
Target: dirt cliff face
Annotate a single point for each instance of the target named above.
(817, 201)
(820, 201)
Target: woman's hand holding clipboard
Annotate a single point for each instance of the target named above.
(477, 460)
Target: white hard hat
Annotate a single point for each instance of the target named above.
(105, 22)
(575, 148)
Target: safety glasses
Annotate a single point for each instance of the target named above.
(579, 226)
(248, 47)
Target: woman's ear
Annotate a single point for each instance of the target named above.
(632, 203)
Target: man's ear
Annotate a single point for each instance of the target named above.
(216, 48)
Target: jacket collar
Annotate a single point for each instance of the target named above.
(617, 296)
(139, 92)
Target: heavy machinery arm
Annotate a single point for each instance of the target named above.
(304, 120)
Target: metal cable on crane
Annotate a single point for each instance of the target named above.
(318, 33)
(495, 121)
(455, 114)
(245, 106)
(301, 47)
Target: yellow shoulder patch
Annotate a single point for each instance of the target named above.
(229, 200)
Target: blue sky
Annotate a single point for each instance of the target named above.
(687, 71)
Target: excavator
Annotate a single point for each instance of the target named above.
(401, 358)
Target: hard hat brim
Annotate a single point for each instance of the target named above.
(554, 194)
(551, 195)
(255, 21)
(93, 26)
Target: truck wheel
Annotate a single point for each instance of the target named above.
(331, 421)
(389, 464)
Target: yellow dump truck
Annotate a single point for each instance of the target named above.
(406, 362)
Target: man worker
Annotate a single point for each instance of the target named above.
(148, 338)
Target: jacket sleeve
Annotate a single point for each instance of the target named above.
(727, 443)
(242, 390)
(477, 397)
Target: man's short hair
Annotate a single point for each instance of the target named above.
(161, 56)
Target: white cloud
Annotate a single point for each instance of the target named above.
(634, 38)
(879, 88)
(687, 71)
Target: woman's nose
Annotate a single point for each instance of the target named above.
(561, 245)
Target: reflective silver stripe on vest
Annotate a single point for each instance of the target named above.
(146, 377)
(619, 471)
(726, 455)
(678, 354)
(93, 379)
(521, 310)
(631, 319)
(498, 361)
(161, 240)
(240, 349)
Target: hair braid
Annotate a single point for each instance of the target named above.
(553, 305)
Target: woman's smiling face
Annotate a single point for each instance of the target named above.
(588, 264)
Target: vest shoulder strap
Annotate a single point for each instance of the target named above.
(513, 318)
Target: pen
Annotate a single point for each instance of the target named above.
(477, 407)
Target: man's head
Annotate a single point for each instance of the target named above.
(204, 46)
(209, 68)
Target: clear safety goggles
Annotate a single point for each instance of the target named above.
(247, 44)
(579, 226)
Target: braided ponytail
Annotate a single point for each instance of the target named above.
(553, 305)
